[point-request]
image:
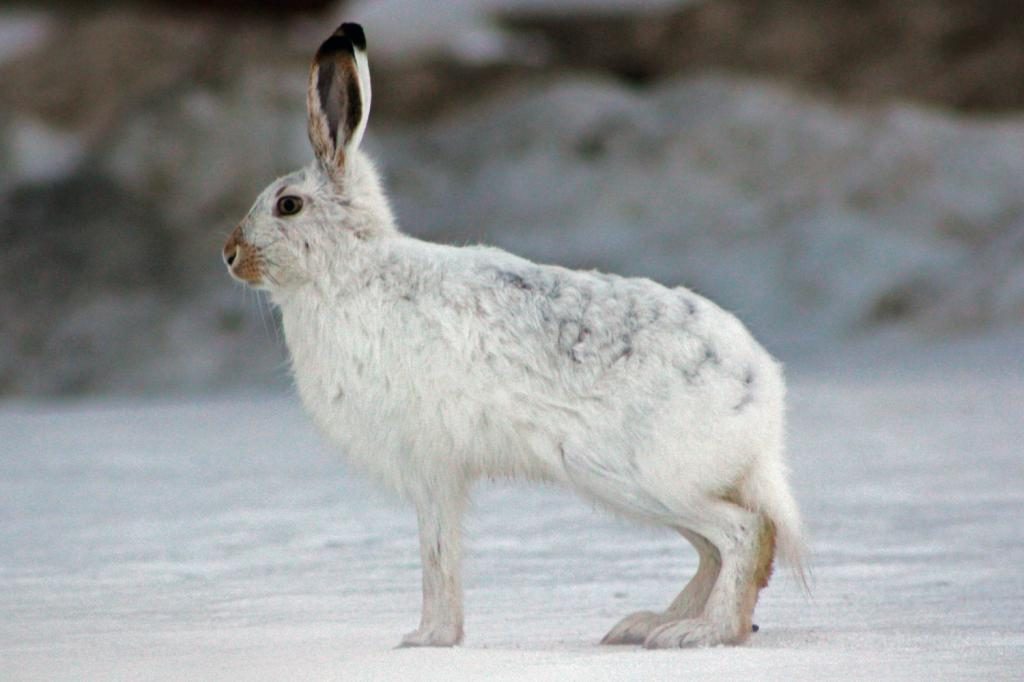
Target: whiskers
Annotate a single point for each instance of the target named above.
(280, 372)
(253, 296)
(264, 261)
(264, 310)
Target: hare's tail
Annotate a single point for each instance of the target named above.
(766, 491)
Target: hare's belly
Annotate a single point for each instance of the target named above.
(405, 434)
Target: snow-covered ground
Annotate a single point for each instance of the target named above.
(220, 539)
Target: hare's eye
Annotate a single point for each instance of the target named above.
(289, 205)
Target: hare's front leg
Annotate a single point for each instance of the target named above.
(440, 522)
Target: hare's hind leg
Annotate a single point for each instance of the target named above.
(691, 601)
(737, 534)
(634, 628)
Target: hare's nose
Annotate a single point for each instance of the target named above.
(232, 246)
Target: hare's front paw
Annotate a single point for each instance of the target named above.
(436, 635)
(634, 628)
(691, 632)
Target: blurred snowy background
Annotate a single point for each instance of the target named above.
(833, 172)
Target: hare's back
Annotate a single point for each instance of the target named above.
(595, 321)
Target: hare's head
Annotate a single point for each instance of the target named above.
(304, 222)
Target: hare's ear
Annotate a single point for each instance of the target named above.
(338, 99)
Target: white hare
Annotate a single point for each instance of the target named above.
(431, 366)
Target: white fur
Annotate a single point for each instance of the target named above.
(431, 366)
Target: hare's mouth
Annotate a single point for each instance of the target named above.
(248, 271)
(243, 260)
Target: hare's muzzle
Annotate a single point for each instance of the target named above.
(241, 258)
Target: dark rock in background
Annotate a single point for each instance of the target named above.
(963, 54)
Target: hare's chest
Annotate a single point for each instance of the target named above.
(353, 377)
(351, 410)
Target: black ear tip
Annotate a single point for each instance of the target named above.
(353, 32)
(333, 45)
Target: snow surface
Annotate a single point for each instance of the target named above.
(221, 539)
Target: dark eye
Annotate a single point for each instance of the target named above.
(289, 205)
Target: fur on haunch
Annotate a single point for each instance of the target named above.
(430, 366)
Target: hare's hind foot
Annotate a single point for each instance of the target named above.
(634, 628)
(692, 633)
